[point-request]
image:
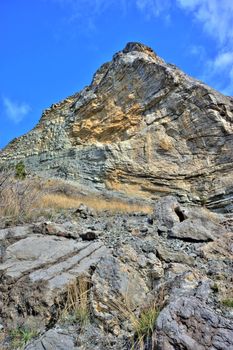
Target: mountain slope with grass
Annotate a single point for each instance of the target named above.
(116, 220)
(141, 128)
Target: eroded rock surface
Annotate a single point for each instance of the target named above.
(142, 127)
(189, 323)
(36, 268)
(133, 264)
(54, 339)
(142, 130)
(187, 223)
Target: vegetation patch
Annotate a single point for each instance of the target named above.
(142, 322)
(26, 199)
(21, 336)
(20, 170)
(18, 198)
(62, 201)
(144, 325)
(76, 308)
(228, 302)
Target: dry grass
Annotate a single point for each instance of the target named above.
(61, 201)
(142, 323)
(26, 200)
(76, 308)
(18, 198)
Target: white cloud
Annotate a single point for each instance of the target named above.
(198, 51)
(223, 61)
(219, 72)
(15, 111)
(216, 19)
(153, 8)
(216, 16)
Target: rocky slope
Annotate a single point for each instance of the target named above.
(142, 128)
(173, 267)
(145, 131)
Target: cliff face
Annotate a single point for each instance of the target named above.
(142, 127)
(111, 280)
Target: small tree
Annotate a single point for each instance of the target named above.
(20, 171)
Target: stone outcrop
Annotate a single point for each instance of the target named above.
(132, 263)
(143, 128)
(106, 280)
(187, 318)
(36, 267)
(194, 224)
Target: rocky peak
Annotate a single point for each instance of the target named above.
(138, 47)
(128, 55)
(134, 46)
(142, 127)
(136, 50)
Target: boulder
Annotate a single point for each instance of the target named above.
(53, 339)
(189, 323)
(41, 268)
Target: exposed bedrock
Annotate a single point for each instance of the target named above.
(177, 261)
(143, 128)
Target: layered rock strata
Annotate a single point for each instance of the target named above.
(142, 127)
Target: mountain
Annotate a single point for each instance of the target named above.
(137, 259)
(141, 127)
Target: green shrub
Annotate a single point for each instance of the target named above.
(228, 302)
(20, 171)
(144, 325)
(21, 336)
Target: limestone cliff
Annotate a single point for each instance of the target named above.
(142, 127)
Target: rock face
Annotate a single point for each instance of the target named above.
(121, 281)
(141, 127)
(36, 267)
(194, 314)
(132, 264)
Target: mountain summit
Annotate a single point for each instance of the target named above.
(141, 127)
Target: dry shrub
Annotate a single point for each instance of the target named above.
(18, 198)
(143, 322)
(58, 186)
(26, 200)
(60, 201)
(76, 308)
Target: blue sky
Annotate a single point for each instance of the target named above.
(51, 48)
